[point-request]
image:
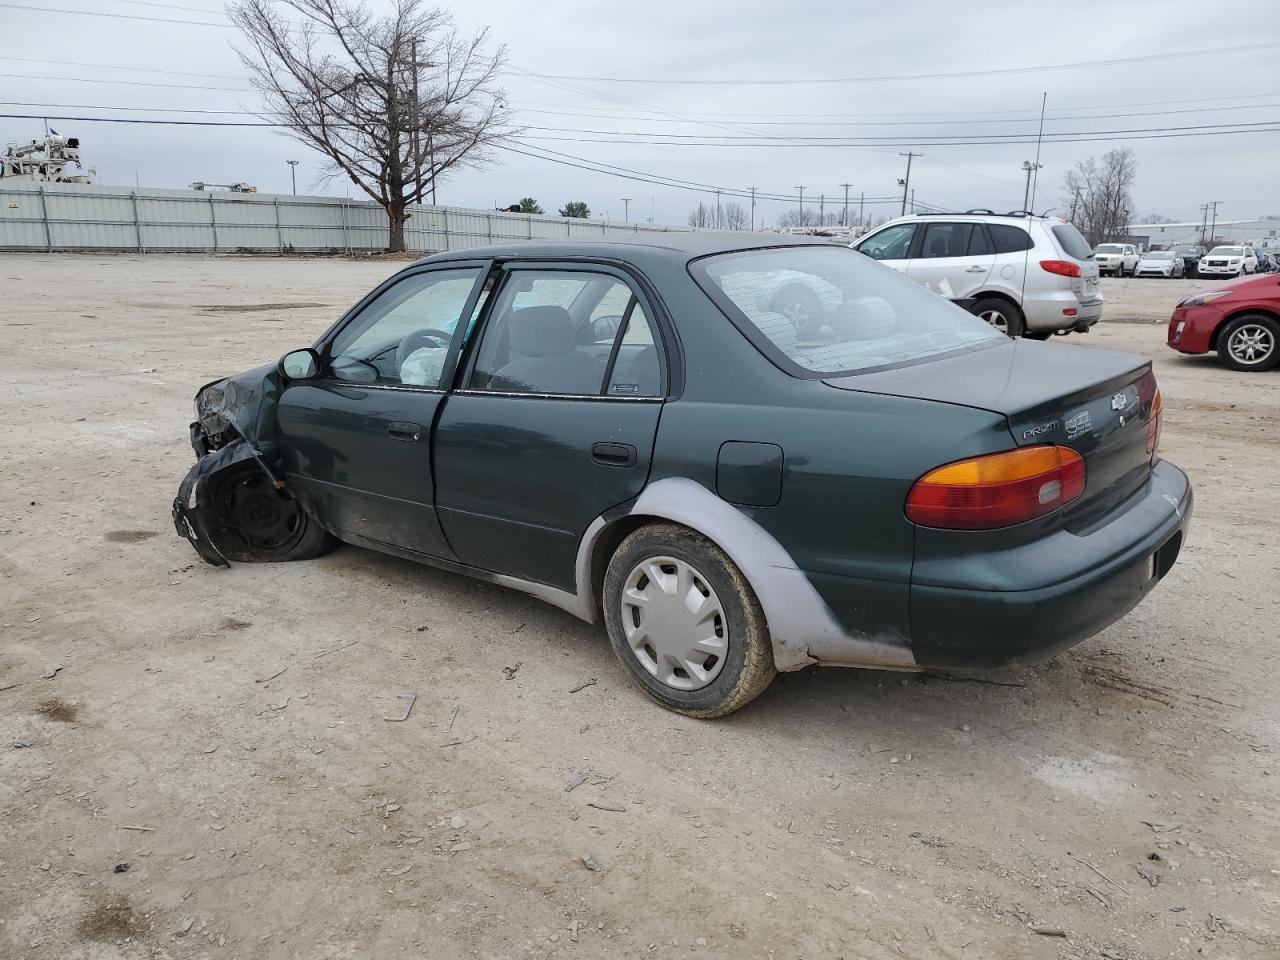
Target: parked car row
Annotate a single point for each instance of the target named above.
(1186, 260)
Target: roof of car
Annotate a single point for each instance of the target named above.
(686, 244)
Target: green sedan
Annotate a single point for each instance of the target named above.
(654, 437)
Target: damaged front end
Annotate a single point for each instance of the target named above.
(232, 504)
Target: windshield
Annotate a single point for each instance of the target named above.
(824, 310)
(1227, 252)
(1108, 248)
(1158, 255)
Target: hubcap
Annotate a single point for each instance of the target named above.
(997, 319)
(674, 623)
(1252, 343)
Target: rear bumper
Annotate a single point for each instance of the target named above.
(1056, 591)
(1047, 311)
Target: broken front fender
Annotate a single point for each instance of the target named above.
(193, 510)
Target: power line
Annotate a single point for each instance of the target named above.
(112, 66)
(886, 78)
(115, 16)
(129, 83)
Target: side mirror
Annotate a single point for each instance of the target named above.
(301, 364)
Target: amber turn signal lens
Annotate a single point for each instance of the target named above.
(997, 490)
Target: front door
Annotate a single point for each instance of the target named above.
(953, 260)
(356, 442)
(554, 421)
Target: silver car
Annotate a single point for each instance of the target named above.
(1159, 263)
(1026, 275)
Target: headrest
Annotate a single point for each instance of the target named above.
(541, 331)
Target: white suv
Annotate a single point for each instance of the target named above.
(1026, 275)
(1117, 258)
(1228, 262)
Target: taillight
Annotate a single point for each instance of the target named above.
(997, 490)
(1153, 423)
(1063, 268)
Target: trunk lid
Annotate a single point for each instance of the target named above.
(1098, 402)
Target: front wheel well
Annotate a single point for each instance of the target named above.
(1244, 311)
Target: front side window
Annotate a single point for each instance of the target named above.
(891, 243)
(865, 317)
(567, 333)
(402, 337)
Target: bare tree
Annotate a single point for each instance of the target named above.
(1098, 195)
(393, 102)
(734, 216)
(704, 217)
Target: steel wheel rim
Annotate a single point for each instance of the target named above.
(997, 319)
(266, 519)
(1251, 344)
(674, 623)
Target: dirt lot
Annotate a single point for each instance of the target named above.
(194, 762)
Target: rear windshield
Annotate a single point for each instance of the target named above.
(1108, 248)
(1227, 252)
(826, 310)
(1072, 242)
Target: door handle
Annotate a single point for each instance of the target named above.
(614, 454)
(403, 430)
(975, 269)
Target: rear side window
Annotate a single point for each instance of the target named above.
(1009, 239)
(859, 315)
(1072, 241)
(946, 240)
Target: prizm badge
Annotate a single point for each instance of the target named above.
(1119, 401)
(1040, 430)
(1078, 424)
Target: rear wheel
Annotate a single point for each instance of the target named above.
(258, 523)
(685, 624)
(1001, 314)
(1250, 342)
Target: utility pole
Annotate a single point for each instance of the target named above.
(717, 209)
(822, 209)
(801, 189)
(417, 120)
(906, 181)
(913, 200)
(1030, 168)
(862, 200)
(753, 209)
(1204, 221)
(844, 217)
(1213, 227)
(626, 209)
(293, 174)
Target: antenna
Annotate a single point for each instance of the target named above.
(1035, 174)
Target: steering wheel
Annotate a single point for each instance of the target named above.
(429, 337)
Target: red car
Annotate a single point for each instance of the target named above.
(1240, 320)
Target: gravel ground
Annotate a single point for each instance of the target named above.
(195, 762)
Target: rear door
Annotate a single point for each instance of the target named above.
(954, 259)
(1010, 243)
(553, 421)
(891, 246)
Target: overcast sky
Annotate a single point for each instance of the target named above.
(739, 40)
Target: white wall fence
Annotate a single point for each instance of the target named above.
(67, 217)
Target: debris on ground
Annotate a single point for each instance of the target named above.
(411, 699)
(606, 806)
(1049, 931)
(590, 864)
(583, 685)
(456, 822)
(511, 671)
(120, 868)
(578, 780)
(51, 672)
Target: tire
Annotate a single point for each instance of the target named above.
(256, 523)
(798, 304)
(1011, 323)
(1038, 334)
(1250, 342)
(735, 624)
